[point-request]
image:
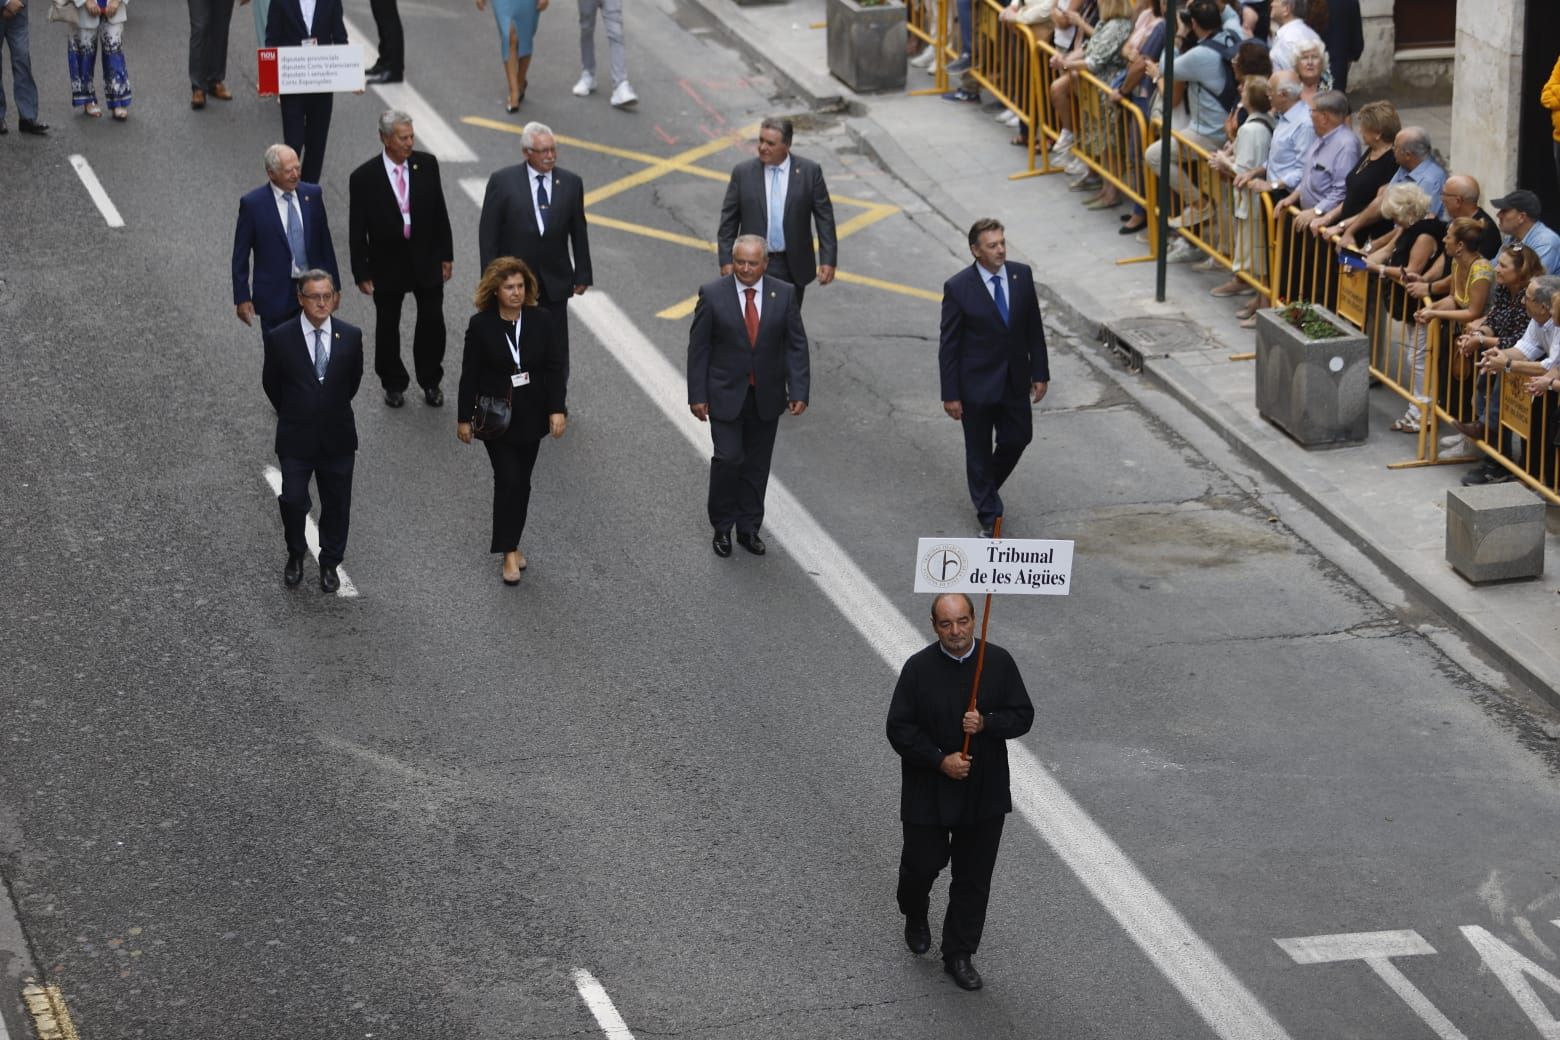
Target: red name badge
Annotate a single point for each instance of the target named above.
(269, 72)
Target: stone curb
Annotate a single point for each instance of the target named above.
(823, 93)
(16, 966)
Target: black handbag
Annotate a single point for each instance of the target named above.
(490, 418)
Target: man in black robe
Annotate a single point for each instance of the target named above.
(952, 805)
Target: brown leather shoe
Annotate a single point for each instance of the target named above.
(220, 91)
(197, 98)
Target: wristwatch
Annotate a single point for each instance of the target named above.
(1320, 211)
(1508, 364)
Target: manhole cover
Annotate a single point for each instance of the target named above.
(1150, 336)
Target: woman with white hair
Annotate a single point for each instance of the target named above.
(1311, 68)
(1411, 249)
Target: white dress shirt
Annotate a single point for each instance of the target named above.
(758, 297)
(307, 7)
(406, 174)
(308, 339)
(531, 173)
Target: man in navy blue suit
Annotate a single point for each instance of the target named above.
(313, 366)
(306, 117)
(993, 363)
(283, 225)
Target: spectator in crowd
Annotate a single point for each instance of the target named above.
(1534, 356)
(1460, 198)
(1292, 136)
(1255, 19)
(1466, 285)
(1102, 57)
(1416, 164)
(1551, 100)
(1518, 215)
(1410, 250)
(1289, 16)
(1252, 141)
(1034, 13)
(13, 36)
(1504, 322)
(1137, 85)
(1200, 78)
(99, 27)
(1251, 59)
(1377, 124)
(1344, 37)
(1229, 11)
(1311, 67)
(1334, 152)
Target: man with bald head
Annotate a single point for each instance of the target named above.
(951, 804)
(1460, 196)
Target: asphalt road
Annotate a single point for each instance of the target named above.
(229, 809)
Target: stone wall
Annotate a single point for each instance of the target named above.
(1373, 72)
(1486, 101)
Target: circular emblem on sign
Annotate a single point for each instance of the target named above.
(944, 565)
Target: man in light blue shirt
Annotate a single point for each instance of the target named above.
(1517, 215)
(1330, 158)
(1411, 148)
(1292, 137)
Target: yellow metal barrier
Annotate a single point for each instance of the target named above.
(1109, 138)
(1209, 213)
(1003, 60)
(932, 22)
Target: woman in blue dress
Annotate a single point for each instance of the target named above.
(516, 26)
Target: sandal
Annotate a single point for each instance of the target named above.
(91, 109)
(1407, 424)
(1020, 139)
(120, 114)
(1233, 287)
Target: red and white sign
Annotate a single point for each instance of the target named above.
(310, 70)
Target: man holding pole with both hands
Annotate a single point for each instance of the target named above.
(957, 703)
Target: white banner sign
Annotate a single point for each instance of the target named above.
(1022, 566)
(311, 70)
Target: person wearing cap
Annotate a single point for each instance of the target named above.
(1517, 214)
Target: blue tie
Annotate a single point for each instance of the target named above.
(320, 358)
(541, 197)
(776, 212)
(1000, 297)
(295, 234)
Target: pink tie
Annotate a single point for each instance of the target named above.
(405, 203)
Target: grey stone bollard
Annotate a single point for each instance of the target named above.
(1495, 532)
(1315, 390)
(866, 45)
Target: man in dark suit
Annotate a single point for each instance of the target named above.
(283, 225)
(306, 117)
(313, 365)
(747, 363)
(391, 66)
(779, 197)
(952, 805)
(536, 213)
(400, 238)
(993, 363)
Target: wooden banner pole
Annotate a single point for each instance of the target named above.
(980, 655)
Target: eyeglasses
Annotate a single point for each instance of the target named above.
(319, 297)
(541, 151)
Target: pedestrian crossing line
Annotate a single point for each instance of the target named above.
(96, 190)
(311, 534)
(601, 1006)
(433, 133)
(1207, 984)
(623, 153)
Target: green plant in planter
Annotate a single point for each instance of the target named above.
(1305, 317)
(873, 3)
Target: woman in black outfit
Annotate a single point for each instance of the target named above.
(509, 351)
(1414, 248)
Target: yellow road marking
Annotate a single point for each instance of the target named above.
(596, 220)
(877, 212)
(893, 287)
(681, 309)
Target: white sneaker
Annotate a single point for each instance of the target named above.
(925, 59)
(1063, 144)
(1183, 252)
(586, 85)
(1076, 168)
(623, 95)
(1009, 118)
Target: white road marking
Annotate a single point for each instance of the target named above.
(1376, 949)
(600, 1005)
(311, 534)
(433, 133)
(1158, 929)
(1513, 970)
(95, 189)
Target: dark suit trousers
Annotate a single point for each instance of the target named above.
(778, 268)
(427, 337)
(305, 128)
(333, 476)
(209, 21)
(973, 850)
(987, 470)
(558, 311)
(392, 43)
(513, 460)
(739, 469)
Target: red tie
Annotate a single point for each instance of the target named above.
(750, 313)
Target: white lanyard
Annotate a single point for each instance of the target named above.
(514, 344)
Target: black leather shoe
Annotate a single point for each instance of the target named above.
(32, 126)
(722, 544)
(382, 76)
(394, 398)
(330, 583)
(374, 69)
(433, 395)
(752, 543)
(985, 530)
(918, 935)
(292, 574)
(963, 972)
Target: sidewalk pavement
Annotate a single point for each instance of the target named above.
(956, 157)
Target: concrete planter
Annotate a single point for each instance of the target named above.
(867, 45)
(1315, 390)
